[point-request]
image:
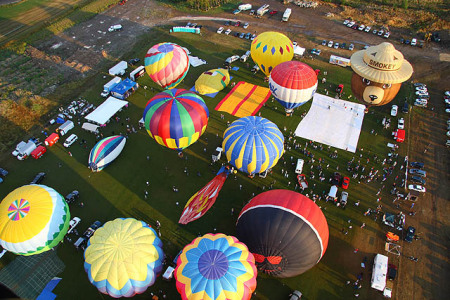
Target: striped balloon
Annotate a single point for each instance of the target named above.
(293, 83)
(176, 118)
(105, 151)
(253, 144)
(166, 64)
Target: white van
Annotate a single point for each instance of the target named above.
(70, 140)
(299, 167)
(333, 191)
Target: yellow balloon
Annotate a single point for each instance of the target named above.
(270, 49)
(212, 81)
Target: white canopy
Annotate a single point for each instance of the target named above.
(106, 110)
(299, 50)
(195, 61)
(89, 127)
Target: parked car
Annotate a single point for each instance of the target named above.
(345, 182)
(355, 26)
(346, 22)
(248, 35)
(336, 179)
(367, 29)
(410, 232)
(252, 12)
(361, 27)
(401, 123)
(273, 12)
(417, 165)
(374, 31)
(405, 108)
(228, 31)
(418, 179)
(241, 35)
(296, 295)
(228, 23)
(414, 42)
(351, 47)
(417, 187)
(350, 24)
(72, 196)
(236, 34)
(3, 172)
(220, 30)
(418, 84)
(421, 103)
(237, 24)
(330, 44)
(73, 223)
(380, 32)
(253, 37)
(324, 42)
(245, 26)
(344, 199)
(133, 61)
(418, 172)
(336, 45)
(38, 178)
(394, 110)
(392, 272)
(387, 34)
(343, 45)
(236, 11)
(407, 42)
(70, 140)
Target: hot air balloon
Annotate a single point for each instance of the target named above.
(123, 258)
(33, 219)
(176, 118)
(292, 83)
(270, 49)
(286, 232)
(253, 144)
(166, 64)
(216, 266)
(212, 81)
(378, 74)
(105, 151)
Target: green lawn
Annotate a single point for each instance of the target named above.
(118, 191)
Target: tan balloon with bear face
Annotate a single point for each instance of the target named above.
(378, 74)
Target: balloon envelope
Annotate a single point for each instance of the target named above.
(253, 144)
(105, 152)
(286, 232)
(33, 219)
(123, 258)
(293, 83)
(269, 49)
(216, 266)
(166, 64)
(212, 81)
(176, 118)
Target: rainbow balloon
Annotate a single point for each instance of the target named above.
(166, 64)
(176, 118)
(216, 266)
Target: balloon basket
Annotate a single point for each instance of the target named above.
(180, 154)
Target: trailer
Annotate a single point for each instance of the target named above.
(38, 152)
(245, 56)
(26, 150)
(244, 7)
(379, 272)
(340, 61)
(302, 181)
(109, 86)
(286, 15)
(119, 69)
(137, 73)
(262, 10)
(66, 127)
(51, 140)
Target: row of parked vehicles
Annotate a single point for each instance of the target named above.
(337, 45)
(361, 27)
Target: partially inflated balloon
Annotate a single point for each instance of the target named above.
(167, 64)
(212, 81)
(270, 49)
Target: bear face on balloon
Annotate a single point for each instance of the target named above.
(378, 74)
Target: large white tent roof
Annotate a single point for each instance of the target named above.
(106, 110)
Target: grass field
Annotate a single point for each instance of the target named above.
(118, 191)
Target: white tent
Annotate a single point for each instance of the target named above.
(380, 266)
(195, 61)
(90, 127)
(299, 50)
(106, 110)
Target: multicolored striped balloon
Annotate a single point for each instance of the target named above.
(105, 151)
(33, 219)
(253, 144)
(269, 49)
(176, 118)
(166, 64)
(292, 83)
(124, 257)
(216, 266)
